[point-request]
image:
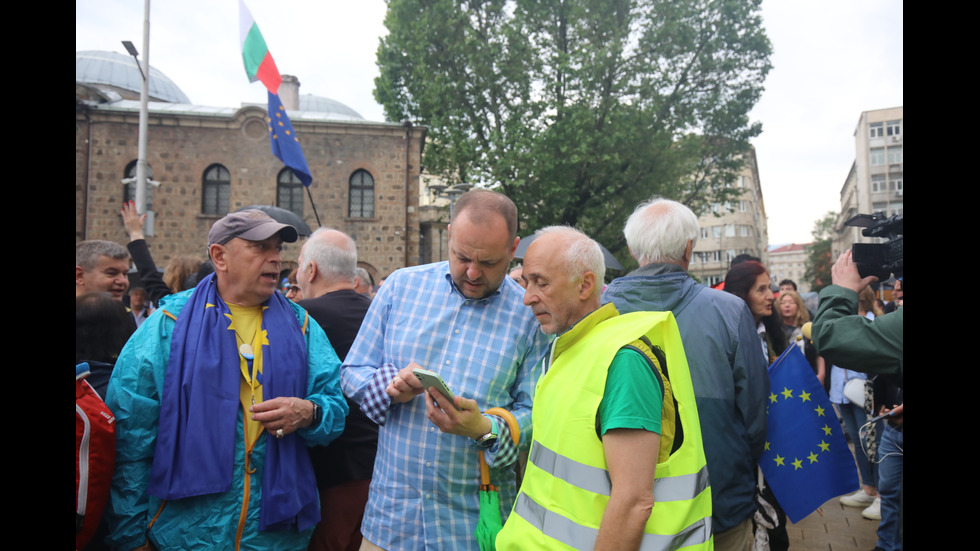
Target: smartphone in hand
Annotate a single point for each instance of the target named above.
(431, 380)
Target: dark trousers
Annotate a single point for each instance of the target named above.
(341, 510)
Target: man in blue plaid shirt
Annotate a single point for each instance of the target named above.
(465, 320)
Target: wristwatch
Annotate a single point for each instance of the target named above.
(490, 438)
(317, 414)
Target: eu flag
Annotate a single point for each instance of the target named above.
(806, 460)
(285, 144)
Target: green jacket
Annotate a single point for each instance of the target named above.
(854, 342)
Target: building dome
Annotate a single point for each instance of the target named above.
(320, 104)
(119, 73)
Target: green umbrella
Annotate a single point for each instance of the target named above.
(490, 521)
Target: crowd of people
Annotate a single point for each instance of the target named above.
(253, 414)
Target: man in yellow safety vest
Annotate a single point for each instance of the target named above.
(616, 460)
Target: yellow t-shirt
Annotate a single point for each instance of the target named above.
(246, 322)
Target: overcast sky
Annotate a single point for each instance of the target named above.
(832, 60)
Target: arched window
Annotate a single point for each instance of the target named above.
(289, 192)
(129, 190)
(361, 194)
(215, 190)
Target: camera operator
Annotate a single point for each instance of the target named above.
(854, 342)
(851, 341)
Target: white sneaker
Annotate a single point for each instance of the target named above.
(859, 498)
(873, 512)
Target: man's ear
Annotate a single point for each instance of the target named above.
(314, 272)
(586, 286)
(79, 276)
(219, 257)
(513, 247)
(633, 254)
(688, 254)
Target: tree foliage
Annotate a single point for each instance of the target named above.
(819, 259)
(579, 110)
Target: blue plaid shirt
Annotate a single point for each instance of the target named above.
(425, 489)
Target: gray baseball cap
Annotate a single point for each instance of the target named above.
(251, 225)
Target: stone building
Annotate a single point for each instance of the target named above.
(732, 229)
(212, 160)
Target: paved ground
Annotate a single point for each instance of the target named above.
(833, 527)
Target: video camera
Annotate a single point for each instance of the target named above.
(879, 259)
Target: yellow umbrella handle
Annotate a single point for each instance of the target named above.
(515, 429)
(515, 434)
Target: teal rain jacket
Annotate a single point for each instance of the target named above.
(209, 521)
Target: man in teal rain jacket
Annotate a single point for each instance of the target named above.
(217, 397)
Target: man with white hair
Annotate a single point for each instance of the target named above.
(605, 418)
(326, 274)
(729, 373)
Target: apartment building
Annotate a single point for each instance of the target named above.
(875, 182)
(729, 230)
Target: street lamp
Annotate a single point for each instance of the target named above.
(442, 191)
(144, 113)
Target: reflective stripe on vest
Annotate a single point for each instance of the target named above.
(575, 535)
(596, 480)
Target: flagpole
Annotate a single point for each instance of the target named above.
(310, 195)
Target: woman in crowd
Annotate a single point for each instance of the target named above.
(854, 406)
(793, 314)
(181, 273)
(750, 282)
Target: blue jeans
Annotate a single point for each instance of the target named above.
(855, 418)
(890, 474)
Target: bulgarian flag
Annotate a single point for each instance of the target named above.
(259, 66)
(258, 61)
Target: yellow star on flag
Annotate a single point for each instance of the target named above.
(773, 398)
(779, 460)
(805, 396)
(824, 446)
(787, 393)
(797, 465)
(826, 430)
(767, 446)
(820, 411)
(812, 457)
